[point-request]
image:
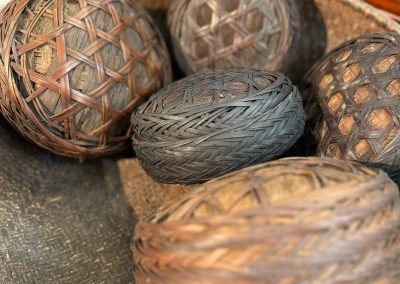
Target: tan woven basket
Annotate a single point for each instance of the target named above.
(305, 220)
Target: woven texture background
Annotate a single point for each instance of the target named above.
(61, 221)
(289, 221)
(357, 90)
(74, 71)
(210, 124)
(218, 34)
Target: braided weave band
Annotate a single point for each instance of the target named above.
(207, 125)
(298, 220)
(357, 88)
(73, 71)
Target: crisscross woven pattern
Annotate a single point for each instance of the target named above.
(210, 124)
(75, 70)
(298, 220)
(357, 87)
(217, 34)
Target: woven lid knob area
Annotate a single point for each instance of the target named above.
(213, 123)
(73, 71)
(357, 88)
(298, 220)
(218, 34)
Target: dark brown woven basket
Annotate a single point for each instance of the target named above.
(207, 125)
(357, 90)
(305, 220)
(73, 71)
(217, 34)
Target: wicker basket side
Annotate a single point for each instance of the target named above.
(299, 220)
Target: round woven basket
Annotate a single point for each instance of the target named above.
(353, 107)
(217, 34)
(307, 220)
(210, 124)
(73, 71)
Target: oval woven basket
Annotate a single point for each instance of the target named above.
(73, 71)
(210, 124)
(304, 220)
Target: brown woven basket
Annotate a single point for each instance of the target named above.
(73, 71)
(326, 24)
(356, 88)
(305, 220)
(218, 34)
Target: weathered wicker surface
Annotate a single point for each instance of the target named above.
(290, 221)
(357, 90)
(61, 221)
(210, 124)
(143, 193)
(218, 34)
(82, 67)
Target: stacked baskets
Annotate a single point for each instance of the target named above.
(216, 203)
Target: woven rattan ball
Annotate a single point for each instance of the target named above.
(357, 88)
(298, 220)
(75, 70)
(219, 34)
(210, 124)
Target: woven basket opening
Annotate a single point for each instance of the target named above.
(254, 21)
(380, 118)
(363, 94)
(325, 82)
(200, 48)
(393, 88)
(230, 5)
(333, 151)
(372, 47)
(351, 72)
(226, 35)
(344, 55)
(346, 124)
(249, 56)
(384, 64)
(363, 150)
(204, 14)
(335, 102)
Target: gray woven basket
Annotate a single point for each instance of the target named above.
(210, 124)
